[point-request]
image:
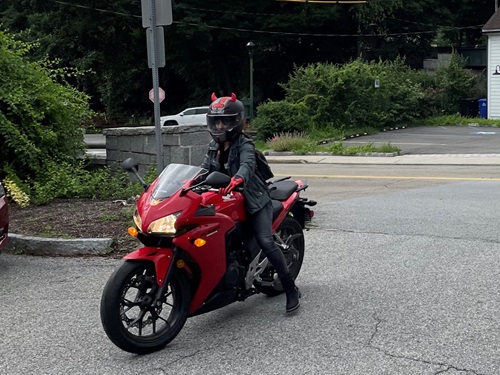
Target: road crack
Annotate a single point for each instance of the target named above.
(447, 367)
(490, 241)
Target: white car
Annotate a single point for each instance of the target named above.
(190, 116)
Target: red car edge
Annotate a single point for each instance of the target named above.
(4, 217)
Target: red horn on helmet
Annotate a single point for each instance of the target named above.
(213, 97)
(233, 97)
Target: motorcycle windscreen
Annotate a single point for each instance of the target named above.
(173, 178)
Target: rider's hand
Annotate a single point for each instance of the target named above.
(235, 181)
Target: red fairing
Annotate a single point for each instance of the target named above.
(151, 210)
(231, 205)
(160, 257)
(211, 258)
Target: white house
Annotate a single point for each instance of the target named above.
(492, 31)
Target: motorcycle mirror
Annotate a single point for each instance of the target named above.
(130, 165)
(217, 180)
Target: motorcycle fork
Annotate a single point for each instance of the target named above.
(163, 287)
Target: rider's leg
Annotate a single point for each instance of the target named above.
(262, 224)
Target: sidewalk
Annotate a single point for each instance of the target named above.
(423, 159)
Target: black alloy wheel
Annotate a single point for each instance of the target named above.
(128, 315)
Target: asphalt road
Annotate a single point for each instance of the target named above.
(400, 277)
(469, 139)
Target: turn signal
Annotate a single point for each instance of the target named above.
(133, 231)
(180, 263)
(199, 242)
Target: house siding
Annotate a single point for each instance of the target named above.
(493, 77)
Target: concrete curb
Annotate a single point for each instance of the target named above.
(421, 159)
(58, 246)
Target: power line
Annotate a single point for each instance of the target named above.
(326, 35)
(226, 11)
(326, 1)
(96, 9)
(283, 33)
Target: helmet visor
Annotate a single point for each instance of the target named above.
(220, 124)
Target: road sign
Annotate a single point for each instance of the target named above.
(161, 95)
(160, 46)
(163, 13)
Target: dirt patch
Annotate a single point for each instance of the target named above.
(77, 218)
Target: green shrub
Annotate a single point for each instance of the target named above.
(455, 82)
(343, 97)
(443, 90)
(74, 180)
(279, 117)
(40, 117)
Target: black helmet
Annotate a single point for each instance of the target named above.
(225, 118)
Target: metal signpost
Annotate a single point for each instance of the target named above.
(156, 13)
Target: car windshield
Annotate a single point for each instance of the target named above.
(173, 178)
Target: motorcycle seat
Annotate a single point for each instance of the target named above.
(281, 190)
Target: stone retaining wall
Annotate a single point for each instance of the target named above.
(181, 144)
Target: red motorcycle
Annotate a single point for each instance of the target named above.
(197, 255)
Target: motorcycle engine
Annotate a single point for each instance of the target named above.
(234, 273)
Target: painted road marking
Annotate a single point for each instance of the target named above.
(392, 177)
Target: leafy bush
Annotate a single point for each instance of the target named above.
(343, 97)
(73, 180)
(279, 117)
(456, 83)
(340, 98)
(40, 117)
(443, 90)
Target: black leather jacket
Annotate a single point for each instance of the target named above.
(241, 162)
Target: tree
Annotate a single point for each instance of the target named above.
(410, 28)
(205, 46)
(108, 46)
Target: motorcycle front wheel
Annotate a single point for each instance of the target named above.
(289, 232)
(128, 315)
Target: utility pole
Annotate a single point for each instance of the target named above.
(154, 14)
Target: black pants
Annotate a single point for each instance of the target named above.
(261, 222)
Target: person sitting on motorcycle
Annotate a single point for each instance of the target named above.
(232, 153)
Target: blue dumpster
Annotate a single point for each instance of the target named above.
(483, 108)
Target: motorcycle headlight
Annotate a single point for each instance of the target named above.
(137, 219)
(165, 225)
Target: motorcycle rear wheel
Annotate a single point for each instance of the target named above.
(130, 320)
(294, 255)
